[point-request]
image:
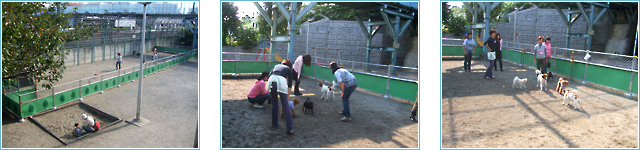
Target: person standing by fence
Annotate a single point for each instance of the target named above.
(490, 44)
(297, 70)
(540, 51)
(279, 85)
(548, 55)
(467, 46)
(118, 62)
(498, 49)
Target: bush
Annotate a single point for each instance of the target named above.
(246, 37)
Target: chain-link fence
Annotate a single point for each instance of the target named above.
(616, 61)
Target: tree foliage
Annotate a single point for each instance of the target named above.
(446, 15)
(246, 37)
(230, 21)
(33, 38)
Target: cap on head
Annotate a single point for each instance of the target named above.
(84, 116)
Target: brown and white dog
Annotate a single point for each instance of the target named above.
(295, 102)
(562, 84)
(542, 81)
(326, 90)
(573, 95)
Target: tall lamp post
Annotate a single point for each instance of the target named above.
(139, 121)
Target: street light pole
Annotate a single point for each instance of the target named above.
(138, 121)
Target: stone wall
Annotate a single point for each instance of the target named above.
(346, 36)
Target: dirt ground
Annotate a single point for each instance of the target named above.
(488, 113)
(376, 122)
(58, 121)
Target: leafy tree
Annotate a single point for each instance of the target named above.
(445, 13)
(246, 37)
(230, 21)
(33, 37)
(186, 37)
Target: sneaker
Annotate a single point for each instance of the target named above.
(345, 119)
(257, 106)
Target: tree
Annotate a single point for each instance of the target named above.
(230, 21)
(246, 37)
(33, 40)
(445, 13)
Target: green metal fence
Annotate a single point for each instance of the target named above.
(615, 71)
(27, 103)
(390, 84)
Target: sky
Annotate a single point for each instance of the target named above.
(456, 3)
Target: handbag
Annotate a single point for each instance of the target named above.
(491, 55)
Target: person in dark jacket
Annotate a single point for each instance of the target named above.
(498, 49)
(279, 84)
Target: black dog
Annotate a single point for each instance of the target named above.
(308, 105)
(550, 76)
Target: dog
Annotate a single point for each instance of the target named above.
(542, 81)
(573, 95)
(95, 74)
(292, 102)
(538, 72)
(550, 74)
(562, 84)
(519, 83)
(308, 105)
(326, 90)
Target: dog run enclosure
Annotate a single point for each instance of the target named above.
(388, 80)
(618, 73)
(25, 103)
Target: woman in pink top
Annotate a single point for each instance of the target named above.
(258, 93)
(546, 43)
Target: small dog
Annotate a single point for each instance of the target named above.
(538, 72)
(519, 83)
(542, 81)
(292, 102)
(550, 74)
(95, 74)
(562, 84)
(573, 95)
(326, 90)
(308, 105)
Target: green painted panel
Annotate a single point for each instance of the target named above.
(634, 87)
(563, 67)
(458, 51)
(403, 89)
(578, 71)
(172, 50)
(109, 83)
(372, 83)
(10, 104)
(252, 67)
(614, 78)
(36, 106)
(228, 67)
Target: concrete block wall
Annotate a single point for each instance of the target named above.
(84, 54)
(548, 22)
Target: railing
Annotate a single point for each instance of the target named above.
(66, 92)
(604, 69)
(387, 80)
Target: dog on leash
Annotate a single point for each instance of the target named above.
(573, 95)
(307, 106)
(562, 84)
(538, 72)
(550, 74)
(542, 81)
(519, 83)
(326, 90)
(292, 102)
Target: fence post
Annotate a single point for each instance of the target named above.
(635, 60)
(118, 78)
(386, 96)
(101, 84)
(53, 96)
(80, 89)
(353, 63)
(586, 63)
(20, 108)
(571, 69)
(235, 64)
(555, 52)
(133, 69)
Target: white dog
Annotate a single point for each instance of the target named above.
(326, 90)
(573, 95)
(538, 72)
(542, 81)
(519, 83)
